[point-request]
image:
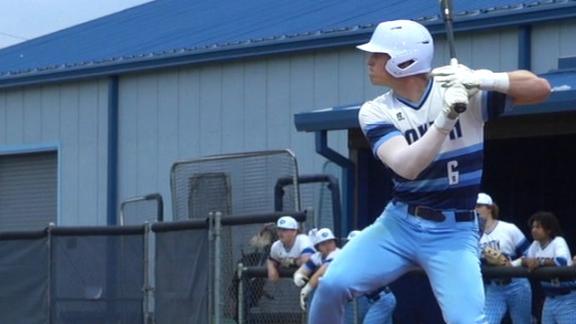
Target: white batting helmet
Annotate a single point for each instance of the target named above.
(408, 43)
(323, 235)
(287, 222)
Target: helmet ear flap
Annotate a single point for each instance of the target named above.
(408, 43)
(398, 69)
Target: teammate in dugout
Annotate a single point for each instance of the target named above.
(308, 275)
(549, 249)
(290, 250)
(435, 154)
(379, 304)
(510, 244)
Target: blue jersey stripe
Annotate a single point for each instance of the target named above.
(308, 250)
(437, 169)
(438, 184)
(496, 104)
(460, 152)
(311, 266)
(522, 247)
(383, 139)
(453, 198)
(562, 262)
(466, 164)
(380, 133)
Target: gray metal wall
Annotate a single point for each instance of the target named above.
(196, 111)
(73, 118)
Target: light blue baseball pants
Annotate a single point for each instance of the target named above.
(560, 309)
(447, 251)
(381, 310)
(516, 297)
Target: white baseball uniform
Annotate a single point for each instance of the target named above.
(302, 245)
(514, 295)
(560, 300)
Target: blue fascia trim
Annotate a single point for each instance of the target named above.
(112, 163)
(340, 118)
(28, 148)
(321, 41)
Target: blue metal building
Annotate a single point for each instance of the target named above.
(104, 108)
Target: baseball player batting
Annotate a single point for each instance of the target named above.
(435, 154)
(510, 294)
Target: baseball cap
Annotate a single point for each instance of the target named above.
(323, 235)
(287, 222)
(484, 199)
(352, 234)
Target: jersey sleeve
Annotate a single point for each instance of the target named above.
(562, 255)
(313, 262)
(274, 255)
(520, 242)
(376, 127)
(331, 256)
(306, 246)
(493, 104)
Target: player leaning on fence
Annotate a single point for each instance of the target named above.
(291, 250)
(549, 249)
(435, 154)
(503, 244)
(308, 275)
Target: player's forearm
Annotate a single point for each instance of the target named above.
(316, 277)
(527, 88)
(272, 271)
(408, 161)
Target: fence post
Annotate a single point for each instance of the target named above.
(148, 289)
(50, 257)
(240, 299)
(217, 266)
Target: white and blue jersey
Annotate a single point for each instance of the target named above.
(317, 260)
(560, 295)
(513, 295)
(557, 250)
(452, 180)
(506, 238)
(302, 245)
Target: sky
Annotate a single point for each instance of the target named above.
(21, 20)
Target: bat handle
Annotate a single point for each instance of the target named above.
(460, 107)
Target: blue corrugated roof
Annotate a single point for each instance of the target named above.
(172, 32)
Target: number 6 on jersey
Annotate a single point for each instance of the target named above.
(453, 174)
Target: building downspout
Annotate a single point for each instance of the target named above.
(112, 163)
(348, 182)
(525, 47)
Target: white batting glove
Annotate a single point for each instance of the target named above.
(304, 296)
(456, 94)
(473, 80)
(300, 279)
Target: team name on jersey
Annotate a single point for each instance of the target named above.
(412, 135)
(495, 244)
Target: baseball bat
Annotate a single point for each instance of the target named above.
(446, 9)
